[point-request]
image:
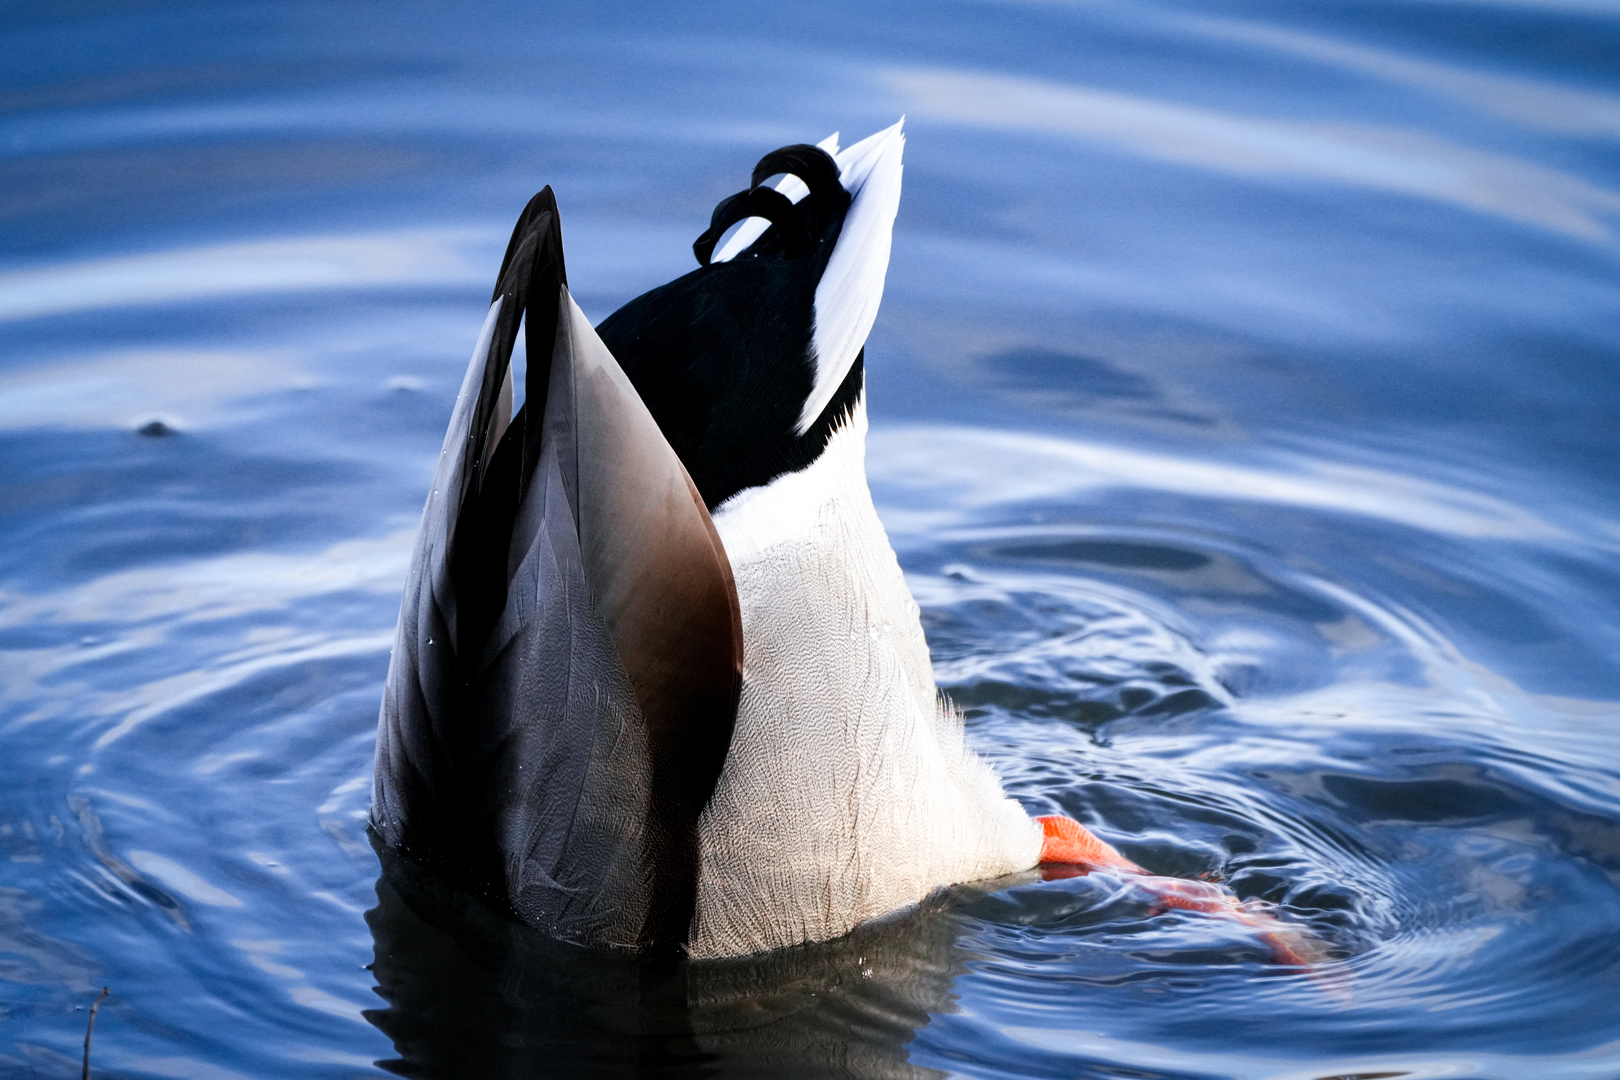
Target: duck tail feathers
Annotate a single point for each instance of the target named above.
(851, 287)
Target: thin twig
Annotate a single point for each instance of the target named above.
(89, 1029)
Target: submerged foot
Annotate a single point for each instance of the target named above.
(1069, 843)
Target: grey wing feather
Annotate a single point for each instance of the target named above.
(558, 760)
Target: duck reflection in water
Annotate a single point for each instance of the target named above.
(471, 992)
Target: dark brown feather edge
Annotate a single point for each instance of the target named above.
(661, 580)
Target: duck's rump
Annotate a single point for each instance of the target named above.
(560, 730)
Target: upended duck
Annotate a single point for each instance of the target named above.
(658, 681)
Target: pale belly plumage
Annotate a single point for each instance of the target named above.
(848, 790)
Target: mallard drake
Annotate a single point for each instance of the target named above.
(658, 681)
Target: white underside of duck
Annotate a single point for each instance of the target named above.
(848, 790)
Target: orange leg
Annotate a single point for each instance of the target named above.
(1069, 842)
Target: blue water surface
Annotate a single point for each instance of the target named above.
(1246, 414)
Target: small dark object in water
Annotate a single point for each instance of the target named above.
(90, 1027)
(155, 429)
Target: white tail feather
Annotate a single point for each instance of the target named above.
(851, 288)
(750, 229)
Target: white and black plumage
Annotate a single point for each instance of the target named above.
(848, 790)
(658, 681)
(636, 724)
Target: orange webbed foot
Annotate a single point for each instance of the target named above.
(1067, 842)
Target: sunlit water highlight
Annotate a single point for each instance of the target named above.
(1246, 408)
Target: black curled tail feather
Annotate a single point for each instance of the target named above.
(761, 202)
(565, 679)
(828, 200)
(809, 226)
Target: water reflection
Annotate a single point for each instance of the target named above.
(472, 993)
(1527, 102)
(1244, 407)
(1390, 159)
(373, 260)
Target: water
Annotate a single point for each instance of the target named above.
(1246, 405)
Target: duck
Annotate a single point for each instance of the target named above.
(658, 683)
